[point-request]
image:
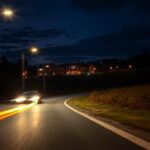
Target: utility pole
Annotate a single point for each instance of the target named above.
(23, 71)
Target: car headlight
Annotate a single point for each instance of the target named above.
(35, 98)
(20, 99)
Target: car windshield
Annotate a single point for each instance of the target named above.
(30, 93)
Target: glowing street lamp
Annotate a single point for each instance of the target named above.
(42, 72)
(34, 50)
(40, 69)
(111, 68)
(7, 13)
(117, 67)
(130, 66)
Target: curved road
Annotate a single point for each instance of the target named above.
(52, 126)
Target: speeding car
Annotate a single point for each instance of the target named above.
(29, 96)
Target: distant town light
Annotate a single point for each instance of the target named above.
(25, 74)
(88, 74)
(40, 69)
(130, 66)
(47, 66)
(110, 68)
(117, 67)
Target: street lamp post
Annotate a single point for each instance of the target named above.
(44, 81)
(23, 71)
(42, 72)
(9, 13)
(33, 50)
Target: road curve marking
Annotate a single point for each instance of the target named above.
(134, 139)
(10, 112)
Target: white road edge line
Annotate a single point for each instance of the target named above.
(134, 139)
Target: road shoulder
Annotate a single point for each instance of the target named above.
(138, 137)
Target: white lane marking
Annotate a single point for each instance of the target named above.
(134, 139)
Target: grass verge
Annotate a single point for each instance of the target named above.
(138, 118)
(136, 97)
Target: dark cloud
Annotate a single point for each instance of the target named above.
(25, 36)
(100, 4)
(8, 47)
(40, 60)
(49, 18)
(90, 5)
(30, 32)
(143, 6)
(32, 8)
(60, 59)
(124, 43)
(131, 33)
(129, 41)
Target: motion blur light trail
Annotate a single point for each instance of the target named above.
(10, 112)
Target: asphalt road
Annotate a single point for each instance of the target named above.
(52, 126)
(4, 107)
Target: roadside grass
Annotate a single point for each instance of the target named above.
(136, 97)
(132, 116)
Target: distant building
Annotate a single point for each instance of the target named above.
(73, 69)
(61, 69)
(107, 65)
(91, 69)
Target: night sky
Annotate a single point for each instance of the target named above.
(73, 30)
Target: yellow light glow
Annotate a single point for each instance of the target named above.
(34, 50)
(40, 69)
(20, 99)
(110, 68)
(35, 98)
(47, 66)
(7, 12)
(130, 66)
(117, 67)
